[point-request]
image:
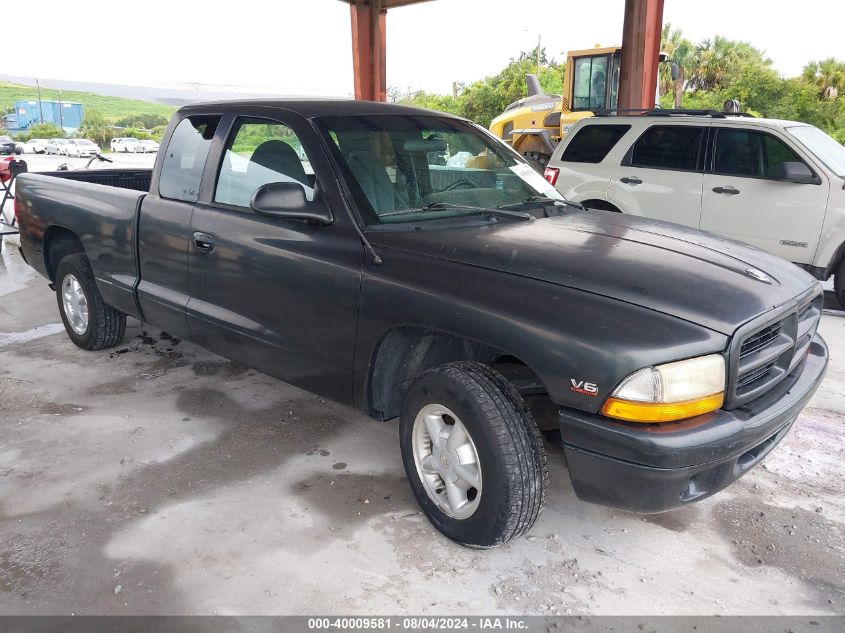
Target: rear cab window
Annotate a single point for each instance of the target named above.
(592, 143)
(674, 147)
(184, 160)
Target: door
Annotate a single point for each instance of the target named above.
(165, 223)
(278, 295)
(661, 174)
(743, 198)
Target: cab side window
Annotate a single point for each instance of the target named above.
(674, 147)
(751, 154)
(260, 152)
(184, 160)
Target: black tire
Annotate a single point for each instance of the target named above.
(839, 284)
(106, 326)
(510, 451)
(538, 160)
(601, 205)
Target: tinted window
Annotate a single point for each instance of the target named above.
(747, 153)
(668, 147)
(181, 170)
(593, 142)
(260, 152)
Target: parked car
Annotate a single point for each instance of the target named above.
(57, 146)
(125, 144)
(147, 146)
(778, 185)
(81, 147)
(472, 303)
(8, 146)
(34, 146)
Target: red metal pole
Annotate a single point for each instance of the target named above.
(640, 53)
(368, 49)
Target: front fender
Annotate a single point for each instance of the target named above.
(562, 334)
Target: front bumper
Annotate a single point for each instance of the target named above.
(652, 468)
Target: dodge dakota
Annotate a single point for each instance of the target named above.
(410, 265)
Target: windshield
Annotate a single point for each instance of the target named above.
(409, 168)
(85, 142)
(826, 149)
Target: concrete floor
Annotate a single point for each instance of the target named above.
(157, 478)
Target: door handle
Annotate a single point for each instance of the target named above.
(631, 181)
(730, 191)
(203, 241)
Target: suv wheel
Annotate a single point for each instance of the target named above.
(473, 454)
(839, 284)
(89, 322)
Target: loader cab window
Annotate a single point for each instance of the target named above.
(184, 160)
(591, 77)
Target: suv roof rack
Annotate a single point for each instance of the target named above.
(716, 114)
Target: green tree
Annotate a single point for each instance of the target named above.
(44, 130)
(717, 60)
(682, 55)
(142, 121)
(95, 128)
(828, 75)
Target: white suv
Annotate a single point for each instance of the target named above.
(779, 185)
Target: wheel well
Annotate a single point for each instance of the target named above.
(405, 352)
(602, 205)
(58, 243)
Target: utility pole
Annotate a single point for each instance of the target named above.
(539, 39)
(40, 109)
(455, 90)
(61, 115)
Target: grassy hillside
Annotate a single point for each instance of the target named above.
(112, 108)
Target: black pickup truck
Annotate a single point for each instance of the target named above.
(408, 264)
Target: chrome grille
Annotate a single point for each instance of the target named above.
(768, 353)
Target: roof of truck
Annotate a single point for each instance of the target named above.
(314, 107)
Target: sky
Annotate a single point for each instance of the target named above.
(303, 47)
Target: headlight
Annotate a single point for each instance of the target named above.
(673, 391)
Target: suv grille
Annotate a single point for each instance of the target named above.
(769, 353)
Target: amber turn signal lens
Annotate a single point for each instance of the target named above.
(652, 413)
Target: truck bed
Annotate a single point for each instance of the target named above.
(100, 207)
(136, 179)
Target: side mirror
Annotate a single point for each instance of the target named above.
(287, 200)
(794, 171)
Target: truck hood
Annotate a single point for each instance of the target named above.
(690, 274)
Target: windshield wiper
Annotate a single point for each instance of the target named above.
(436, 206)
(541, 200)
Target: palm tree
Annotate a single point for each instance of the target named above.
(719, 58)
(682, 56)
(828, 75)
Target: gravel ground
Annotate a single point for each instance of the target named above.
(157, 478)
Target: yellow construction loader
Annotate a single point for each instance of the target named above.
(534, 125)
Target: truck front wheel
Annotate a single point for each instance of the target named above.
(89, 322)
(473, 454)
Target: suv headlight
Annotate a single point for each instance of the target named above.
(673, 391)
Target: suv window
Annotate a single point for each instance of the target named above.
(259, 152)
(749, 153)
(593, 142)
(181, 170)
(673, 147)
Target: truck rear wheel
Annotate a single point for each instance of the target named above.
(473, 454)
(89, 322)
(839, 284)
